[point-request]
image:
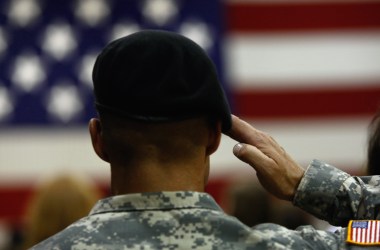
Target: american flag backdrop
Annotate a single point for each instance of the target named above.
(308, 72)
(48, 49)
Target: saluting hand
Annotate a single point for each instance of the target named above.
(277, 172)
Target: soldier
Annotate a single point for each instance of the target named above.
(161, 115)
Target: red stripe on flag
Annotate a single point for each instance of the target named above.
(14, 200)
(326, 102)
(248, 17)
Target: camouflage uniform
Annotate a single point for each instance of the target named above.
(191, 220)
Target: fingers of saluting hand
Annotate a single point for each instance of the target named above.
(243, 132)
(253, 156)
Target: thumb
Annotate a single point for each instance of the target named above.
(251, 155)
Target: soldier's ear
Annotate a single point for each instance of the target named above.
(95, 129)
(215, 135)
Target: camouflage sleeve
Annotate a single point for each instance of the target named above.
(274, 236)
(333, 195)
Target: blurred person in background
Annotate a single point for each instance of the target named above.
(58, 202)
(373, 151)
(249, 202)
(243, 194)
(162, 112)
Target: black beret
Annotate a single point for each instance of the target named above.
(157, 76)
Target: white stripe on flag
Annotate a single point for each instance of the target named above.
(368, 232)
(295, 60)
(340, 142)
(357, 234)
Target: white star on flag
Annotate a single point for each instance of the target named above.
(23, 12)
(59, 40)
(64, 102)
(92, 12)
(28, 73)
(85, 69)
(199, 32)
(160, 12)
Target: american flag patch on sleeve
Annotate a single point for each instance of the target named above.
(364, 232)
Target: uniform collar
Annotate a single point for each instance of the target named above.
(155, 201)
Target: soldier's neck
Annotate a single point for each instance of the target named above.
(157, 178)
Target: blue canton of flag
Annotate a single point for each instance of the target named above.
(359, 224)
(47, 50)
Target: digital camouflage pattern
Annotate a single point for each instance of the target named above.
(337, 197)
(192, 220)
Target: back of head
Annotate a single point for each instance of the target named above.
(158, 76)
(134, 142)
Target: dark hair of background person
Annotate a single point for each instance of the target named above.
(373, 153)
(243, 195)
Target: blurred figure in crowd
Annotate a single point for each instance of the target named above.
(373, 154)
(56, 204)
(248, 201)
